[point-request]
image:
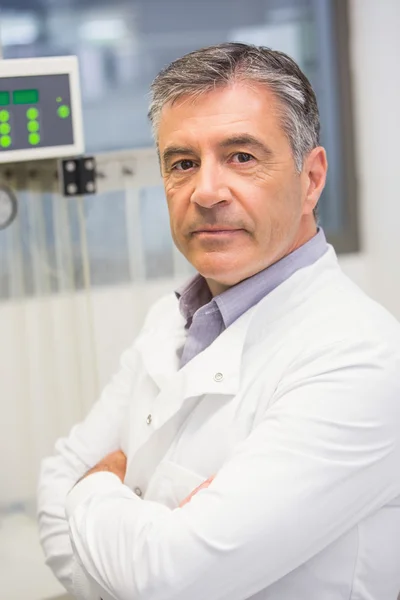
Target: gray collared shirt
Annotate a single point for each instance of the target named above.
(206, 317)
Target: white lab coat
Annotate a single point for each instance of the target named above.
(295, 408)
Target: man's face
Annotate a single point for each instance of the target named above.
(227, 164)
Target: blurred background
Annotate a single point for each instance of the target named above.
(77, 275)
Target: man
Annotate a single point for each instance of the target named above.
(249, 446)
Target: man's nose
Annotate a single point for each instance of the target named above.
(210, 187)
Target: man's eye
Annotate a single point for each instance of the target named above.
(183, 165)
(242, 157)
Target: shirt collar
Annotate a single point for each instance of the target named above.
(234, 301)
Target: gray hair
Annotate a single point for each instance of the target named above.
(201, 71)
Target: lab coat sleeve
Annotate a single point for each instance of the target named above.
(323, 457)
(88, 443)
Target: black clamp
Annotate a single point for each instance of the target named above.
(78, 176)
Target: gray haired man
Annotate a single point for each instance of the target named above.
(249, 445)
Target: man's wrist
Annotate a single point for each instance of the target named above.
(95, 469)
(115, 463)
(101, 482)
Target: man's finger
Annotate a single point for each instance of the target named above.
(203, 485)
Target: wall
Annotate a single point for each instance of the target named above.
(375, 48)
(56, 354)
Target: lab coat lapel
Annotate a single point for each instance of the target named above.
(215, 371)
(158, 348)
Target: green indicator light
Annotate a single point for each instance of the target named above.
(33, 126)
(59, 99)
(34, 139)
(4, 98)
(5, 128)
(32, 113)
(64, 112)
(4, 116)
(5, 141)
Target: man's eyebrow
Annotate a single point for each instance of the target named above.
(172, 151)
(245, 140)
(235, 140)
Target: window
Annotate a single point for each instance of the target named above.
(122, 45)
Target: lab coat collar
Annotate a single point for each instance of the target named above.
(216, 370)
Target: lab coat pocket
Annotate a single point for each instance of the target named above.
(172, 483)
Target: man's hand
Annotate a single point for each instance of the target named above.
(113, 463)
(205, 484)
(116, 463)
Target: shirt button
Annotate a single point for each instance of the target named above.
(138, 492)
(149, 420)
(218, 377)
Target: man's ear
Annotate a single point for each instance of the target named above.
(315, 169)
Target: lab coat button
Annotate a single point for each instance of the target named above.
(149, 420)
(218, 377)
(138, 492)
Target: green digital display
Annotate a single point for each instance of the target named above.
(37, 116)
(26, 96)
(4, 98)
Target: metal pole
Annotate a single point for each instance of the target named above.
(1, 43)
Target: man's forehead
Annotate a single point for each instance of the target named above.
(224, 112)
(239, 97)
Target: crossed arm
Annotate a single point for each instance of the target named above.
(300, 481)
(116, 463)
